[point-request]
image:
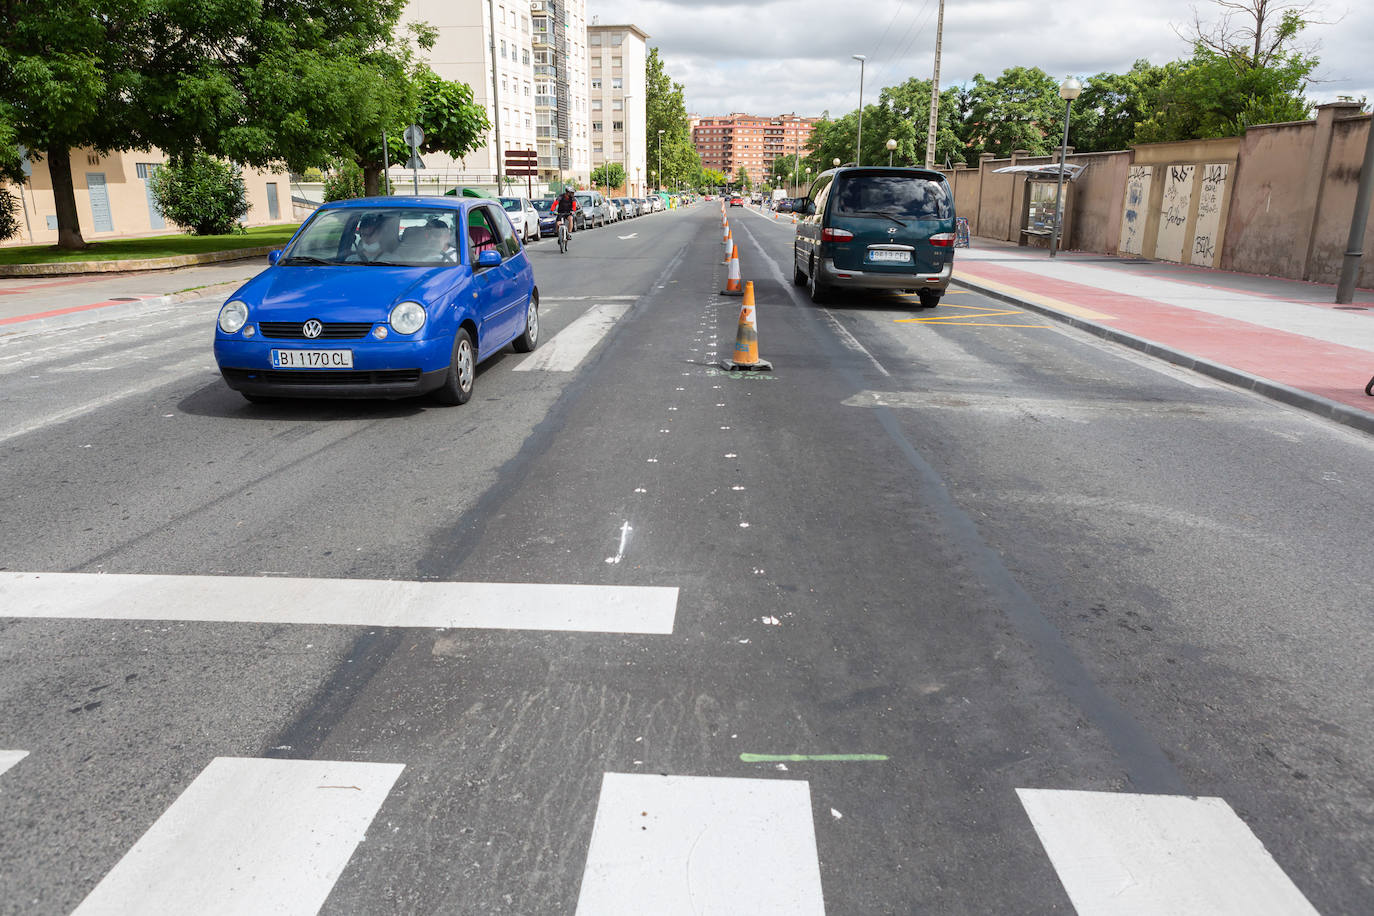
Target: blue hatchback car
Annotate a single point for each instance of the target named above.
(382, 297)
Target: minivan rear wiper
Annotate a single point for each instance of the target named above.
(879, 213)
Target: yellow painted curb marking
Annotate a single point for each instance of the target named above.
(1057, 304)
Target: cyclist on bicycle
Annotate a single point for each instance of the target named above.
(565, 206)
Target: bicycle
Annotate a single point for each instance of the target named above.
(562, 235)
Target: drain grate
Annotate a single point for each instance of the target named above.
(124, 299)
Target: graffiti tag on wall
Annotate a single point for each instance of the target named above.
(1210, 196)
(1173, 214)
(1133, 211)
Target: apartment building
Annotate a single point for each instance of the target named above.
(526, 61)
(618, 56)
(766, 147)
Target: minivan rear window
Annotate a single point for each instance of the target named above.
(893, 195)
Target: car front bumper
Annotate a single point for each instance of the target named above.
(831, 275)
(382, 369)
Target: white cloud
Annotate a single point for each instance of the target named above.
(775, 57)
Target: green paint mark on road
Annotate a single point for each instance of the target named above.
(803, 758)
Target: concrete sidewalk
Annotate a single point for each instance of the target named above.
(1285, 339)
(28, 304)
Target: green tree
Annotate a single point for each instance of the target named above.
(665, 109)
(742, 179)
(452, 122)
(202, 194)
(1113, 105)
(608, 175)
(1021, 109)
(709, 179)
(345, 182)
(259, 82)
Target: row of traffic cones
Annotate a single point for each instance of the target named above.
(746, 355)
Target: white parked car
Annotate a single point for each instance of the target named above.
(523, 217)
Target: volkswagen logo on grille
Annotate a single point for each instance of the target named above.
(312, 329)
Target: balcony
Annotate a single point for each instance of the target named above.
(545, 70)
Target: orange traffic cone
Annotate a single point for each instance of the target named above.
(732, 281)
(747, 337)
(729, 241)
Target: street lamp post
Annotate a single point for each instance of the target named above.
(835, 162)
(859, 143)
(891, 146)
(559, 144)
(628, 190)
(660, 159)
(1068, 91)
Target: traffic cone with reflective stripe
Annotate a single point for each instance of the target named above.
(747, 337)
(732, 281)
(729, 241)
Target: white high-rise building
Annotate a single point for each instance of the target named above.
(526, 61)
(617, 59)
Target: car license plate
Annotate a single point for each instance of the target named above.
(898, 257)
(312, 359)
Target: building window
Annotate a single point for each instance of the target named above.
(596, 84)
(618, 104)
(525, 56)
(596, 104)
(503, 49)
(618, 125)
(617, 82)
(596, 127)
(596, 61)
(615, 62)
(594, 39)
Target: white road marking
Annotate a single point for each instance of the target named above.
(247, 837)
(341, 602)
(543, 299)
(10, 758)
(687, 845)
(566, 349)
(1125, 854)
(166, 375)
(630, 236)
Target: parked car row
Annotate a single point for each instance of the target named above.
(593, 210)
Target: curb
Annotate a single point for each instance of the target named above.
(1284, 394)
(68, 268)
(82, 315)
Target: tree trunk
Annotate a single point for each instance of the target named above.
(372, 180)
(64, 198)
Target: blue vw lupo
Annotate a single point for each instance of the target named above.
(382, 297)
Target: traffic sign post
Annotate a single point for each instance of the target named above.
(414, 136)
(523, 162)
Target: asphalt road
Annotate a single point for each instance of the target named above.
(966, 550)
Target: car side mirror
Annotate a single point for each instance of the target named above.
(273, 257)
(810, 208)
(489, 258)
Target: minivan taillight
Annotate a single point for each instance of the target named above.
(943, 239)
(839, 235)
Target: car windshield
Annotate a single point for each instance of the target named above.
(378, 236)
(511, 203)
(543, 205)
(893, 195)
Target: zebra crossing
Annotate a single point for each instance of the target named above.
(251, 836)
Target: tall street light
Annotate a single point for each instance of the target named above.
(891, 146)
(560, 143)
(660, 158)
(1068, 91)
(628, 191)
(859, 144)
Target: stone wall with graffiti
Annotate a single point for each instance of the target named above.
(1277, 200)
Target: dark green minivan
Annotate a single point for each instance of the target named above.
(872, 227)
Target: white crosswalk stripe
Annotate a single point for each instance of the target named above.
(10, 758)
(565, 350)
(685, 845)
(248, 837)
(1123, 854)
(347, 602)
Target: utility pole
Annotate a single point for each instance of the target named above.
(495, 99)
(1354, 249)
(935, 90)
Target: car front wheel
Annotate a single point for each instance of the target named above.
(462, 371)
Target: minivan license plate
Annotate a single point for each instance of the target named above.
(900, 257)
(312, 359)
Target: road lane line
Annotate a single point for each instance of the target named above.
(247, 837)
(166, 375)
(341, 602)
(10, 758)
(1119, 853)
(565, 350)
(685, 845)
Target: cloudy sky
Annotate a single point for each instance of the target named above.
(794, 55)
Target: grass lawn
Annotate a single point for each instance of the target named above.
(160, 246)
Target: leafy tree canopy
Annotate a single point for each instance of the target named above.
(665, 109)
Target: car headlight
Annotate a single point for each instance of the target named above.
(407, 318)
(233, 316)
